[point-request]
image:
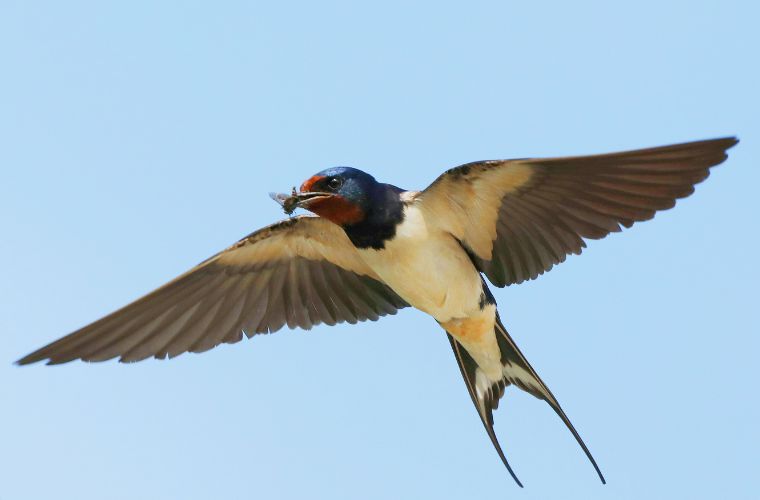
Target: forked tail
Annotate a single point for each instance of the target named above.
(517, 371)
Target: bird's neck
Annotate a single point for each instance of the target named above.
(383, 215)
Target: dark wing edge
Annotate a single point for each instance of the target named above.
(274, 277)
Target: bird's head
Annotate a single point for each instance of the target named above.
(342, 195)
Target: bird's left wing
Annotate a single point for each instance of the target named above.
(518, 218)
(301, 272)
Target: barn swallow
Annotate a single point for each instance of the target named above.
(373, 248)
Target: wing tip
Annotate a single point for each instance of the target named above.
(729, 141)
(29, 359)
(722, 144)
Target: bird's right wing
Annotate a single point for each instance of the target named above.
(519, 218)
(301, 272)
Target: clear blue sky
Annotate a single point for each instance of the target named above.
(137, 139)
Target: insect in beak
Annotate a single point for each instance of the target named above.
(294, 200)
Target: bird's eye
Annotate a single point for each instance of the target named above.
(334, 183)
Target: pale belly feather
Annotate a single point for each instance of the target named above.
(431, 271)
(428, 268)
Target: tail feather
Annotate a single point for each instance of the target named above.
(511, 353)
(517, 371)
(485, 407)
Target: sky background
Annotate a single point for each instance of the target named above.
(138, 138)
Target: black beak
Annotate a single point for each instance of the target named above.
(302, 199)
(297, 200)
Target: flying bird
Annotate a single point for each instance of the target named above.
(373, 248)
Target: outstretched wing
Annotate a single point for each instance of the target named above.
(518, 218)
(300, 272)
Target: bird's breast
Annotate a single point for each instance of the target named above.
(428, 268)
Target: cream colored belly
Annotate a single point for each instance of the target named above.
(428, 269)
(432, 272)
(477, 335)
